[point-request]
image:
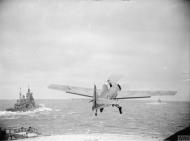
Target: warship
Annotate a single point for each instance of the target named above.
(24, 103)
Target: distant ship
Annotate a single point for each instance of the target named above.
(24, 103)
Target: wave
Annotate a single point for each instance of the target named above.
(57, 110)
(91, 137)
(40, 109)
(71, 113)
(156, 103)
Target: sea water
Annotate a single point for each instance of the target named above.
(73, 119)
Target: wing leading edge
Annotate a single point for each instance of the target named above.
(72, 90)
(132, 97)
(131, 94)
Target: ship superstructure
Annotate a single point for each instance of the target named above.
(25, 102)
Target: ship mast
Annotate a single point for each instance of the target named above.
(29, 91)
(20, 94)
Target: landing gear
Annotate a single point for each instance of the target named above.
(96, 113)
(101, 110)
(119, 107)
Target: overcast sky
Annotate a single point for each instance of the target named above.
(84, 42)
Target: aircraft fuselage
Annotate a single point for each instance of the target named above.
(107, 97)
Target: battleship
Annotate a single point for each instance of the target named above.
(24, 103)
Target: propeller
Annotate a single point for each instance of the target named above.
(113, 79)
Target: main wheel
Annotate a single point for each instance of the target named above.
(101, 110)
(120, 110)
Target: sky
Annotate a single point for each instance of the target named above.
(84, 42)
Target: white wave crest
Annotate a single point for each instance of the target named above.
(57, 110)
(156, 103)
(71, 113)
(42, 108)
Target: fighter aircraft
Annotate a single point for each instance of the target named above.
(108, 95)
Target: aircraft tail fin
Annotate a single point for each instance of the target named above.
(94, 98)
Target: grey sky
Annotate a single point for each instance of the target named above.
(84, 42)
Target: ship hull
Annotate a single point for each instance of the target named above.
(22, 109)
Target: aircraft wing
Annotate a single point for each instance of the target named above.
(131, 94)
(73, 90)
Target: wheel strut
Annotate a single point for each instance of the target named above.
(96, 113)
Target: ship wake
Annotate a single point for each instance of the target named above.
(41, 108)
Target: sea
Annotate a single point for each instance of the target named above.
(73, 119)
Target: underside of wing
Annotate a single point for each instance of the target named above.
(132, 94)
(132, 97)
(86, 92)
